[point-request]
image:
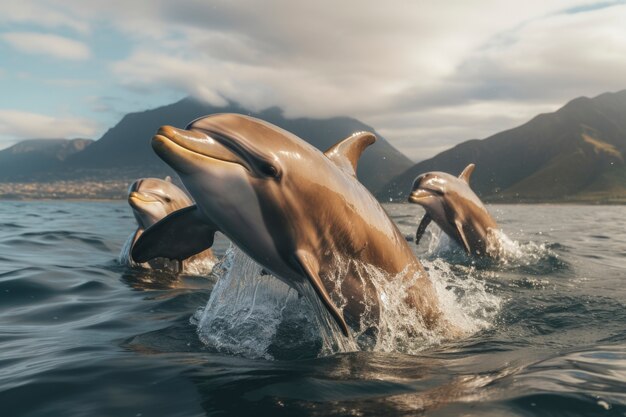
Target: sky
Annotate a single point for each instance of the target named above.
(425, 74)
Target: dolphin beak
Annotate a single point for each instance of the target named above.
(420, 196)
(135, 199)
(180, 148)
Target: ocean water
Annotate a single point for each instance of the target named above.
(82, 335)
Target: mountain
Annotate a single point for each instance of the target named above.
(124, 150)
(34, 157)
(574, 154)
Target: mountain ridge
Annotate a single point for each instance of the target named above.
(573, 154)
(37, 156)
(124, 150)
(321, 133)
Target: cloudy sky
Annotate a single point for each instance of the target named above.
(425, 74)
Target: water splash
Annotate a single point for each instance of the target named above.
(258, 316)
(124, 256)
(507, 253)
(466, 304)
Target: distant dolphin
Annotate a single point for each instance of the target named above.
(298, 212)
(151, 200)
(457, 210)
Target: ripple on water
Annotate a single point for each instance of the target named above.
(62, 235)
(9, 226)
(589, 381)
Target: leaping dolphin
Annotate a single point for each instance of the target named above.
(457, 210)
(298, 212)
(152, 199)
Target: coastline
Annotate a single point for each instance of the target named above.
(488, 202)
(116, 190)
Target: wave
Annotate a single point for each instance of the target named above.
(47, 238)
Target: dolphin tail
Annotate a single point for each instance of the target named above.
(178, 236)
(422, 228)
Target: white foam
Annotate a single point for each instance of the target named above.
(506, 252)
(513, 253)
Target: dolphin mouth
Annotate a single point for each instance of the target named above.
(171, 140)
(135, 198)
(421, 195)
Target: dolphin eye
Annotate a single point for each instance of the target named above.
(269, 170)
(168, 200)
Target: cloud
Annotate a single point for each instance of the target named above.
(16, 125)
(425, 74)
(41, 14)
(458, 70)
(556, 57)
(46, 44)
(427, 131)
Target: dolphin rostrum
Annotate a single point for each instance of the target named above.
(298, 212)
(457, 210)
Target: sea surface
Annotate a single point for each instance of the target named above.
(83, 335)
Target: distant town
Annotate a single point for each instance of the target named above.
(64, 190)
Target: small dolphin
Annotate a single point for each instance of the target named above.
(298, 212)
(457, 210)
(152, 199)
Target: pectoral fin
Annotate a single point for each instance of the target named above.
(310, 267)
(459, 229)
(422, 228)
(178, 236)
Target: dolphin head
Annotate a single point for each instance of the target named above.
(230, 141)
(152, 199)
(247, 166)
(430, 190)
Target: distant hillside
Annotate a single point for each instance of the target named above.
(33, 157)
(124, 150)
(574, 154)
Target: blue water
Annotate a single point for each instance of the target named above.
(81, 335)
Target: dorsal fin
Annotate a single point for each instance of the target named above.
(346, 153)
(467, 173)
